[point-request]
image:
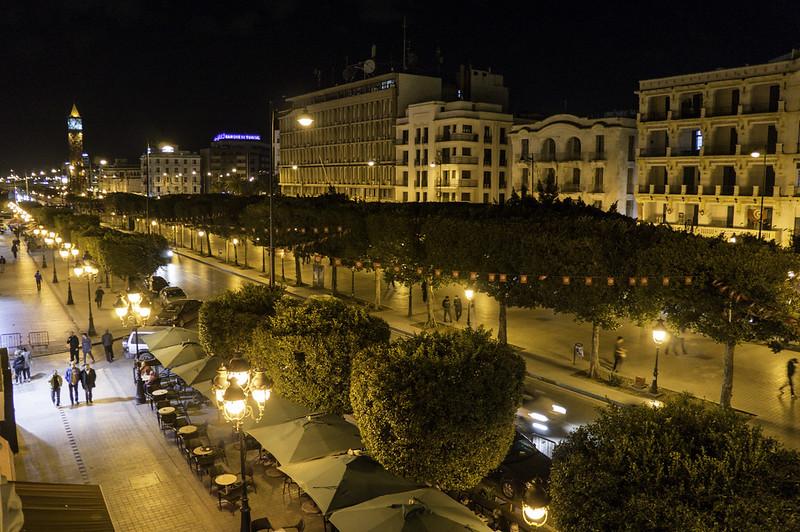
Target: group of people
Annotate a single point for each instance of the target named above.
(87, 378)
(457, 307)
(21, 365)
(84, 344)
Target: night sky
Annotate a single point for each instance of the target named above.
(182, 71)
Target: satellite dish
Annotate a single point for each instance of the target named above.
(369, 66)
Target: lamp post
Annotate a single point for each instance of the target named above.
(305, 120)
(49, 241)
(87, 271)
(130, 312)
(57, 239)
(756, 155)
(283, 275)
(235, 243)
(659, 334)
(468, 293)
(39, 232)
(201, 234)
(234, 387)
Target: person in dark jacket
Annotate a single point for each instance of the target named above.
(74, 347)
(55, 388)
(18, 365)
(86, 346)
(108, 345)
(98, 296)
(790, 370)
(88, 380)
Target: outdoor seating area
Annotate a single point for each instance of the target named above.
(312, 461)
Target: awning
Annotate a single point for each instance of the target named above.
(63, 507)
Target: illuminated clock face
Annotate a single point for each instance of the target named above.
(75, 124)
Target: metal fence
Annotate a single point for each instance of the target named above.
(10, 340)
(39, 339)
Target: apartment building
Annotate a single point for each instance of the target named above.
(717, 146)
(120, 176)
(453, 151)
(592, 159)
(234, 156)
(171, 171)
(349, 147)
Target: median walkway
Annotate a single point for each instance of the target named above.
(547, 340)
(114, 443)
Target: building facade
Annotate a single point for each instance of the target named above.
(121, 176)
(171, 171)
(350, 146)
(232, 157)
(453, 151)
(716, 146)
(593, 159)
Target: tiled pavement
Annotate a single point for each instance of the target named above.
(114, 442)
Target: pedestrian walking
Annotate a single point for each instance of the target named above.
(2, 264)
(619, 353)
(98, 296)
(108, 343)
(18, 365)
(26, 370)
(55, 387)
(74, 347)
(73, 376)
(14, 249)
(457, 307)
(38, 277)
(446, 309)
(790, 369)
(86, 346)
(88, 380)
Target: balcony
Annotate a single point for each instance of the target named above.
(597, 156)
(597, 189)
(402, 162)
(420, 140)
(654, 116)
(719, 150)
(401, 182)
(571, 188)
(401, 142)
(760, 107)
(723, 110)
(653, 152)
(467, 137)
(487, 139)
(685, 152)
(572, 156)
(460, 159)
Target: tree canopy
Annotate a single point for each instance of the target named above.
(683, 466)
(438, 408)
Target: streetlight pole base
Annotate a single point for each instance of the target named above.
(91, 331)
(70, 301)
(140, 396)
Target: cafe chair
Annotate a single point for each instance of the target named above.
(213, 472)
(260, 524)
(188, 448)
(299, 527)
(232, 498)
(167, 421)
(177, 424)
(248, 477)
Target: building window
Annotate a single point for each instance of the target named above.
(424, 178)
(466, 151)
(465, 174)
(405, 196)
(525, 179)
(576, 177)
(487, 134)
(465, 196)
(503, 161)
(487, 156)
(630, 189)
(631, 148)
(487, 180)
(598, 179)
(502, 180)
(466, 128)
(525, 147)
(486, 198)
(600, 144)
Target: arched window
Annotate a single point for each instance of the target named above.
(549, 150)
(574, 148)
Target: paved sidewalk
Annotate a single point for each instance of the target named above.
(546, 341)
(114, 442)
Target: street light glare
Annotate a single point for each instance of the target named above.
(755, 154)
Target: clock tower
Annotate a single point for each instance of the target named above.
(77, 173)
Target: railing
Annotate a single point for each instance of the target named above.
(400, 182)
(401, 141)
(420, 140)
(10, 340)
(461, 159)
(684, 152)
(760, 107)
(597, 189)
(572, 156)
(39, 339)
(719, 150)
(690, 113)
(597, 156)
(469, 137)
(569, 188)
(653, 152)
(654, 116)
(723, 110)
(402, 162)
(487, 139)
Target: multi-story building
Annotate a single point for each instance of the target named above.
(588, 158)
(234, 156)
(171, 171)
(716, 146)
(453, 151)
(350, 146)
(120, 176)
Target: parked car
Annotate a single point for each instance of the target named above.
(179, 313)
(132, 346)
(155, 283)
(504, 487)
(171, 294)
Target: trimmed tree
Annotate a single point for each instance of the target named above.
(683, 466)
(226, 322)
(439, 408)
(307, 349)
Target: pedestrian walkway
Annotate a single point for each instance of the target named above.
(114, 443)
(546, 340)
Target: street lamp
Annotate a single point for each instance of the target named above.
(88, 272)
(130, 312)
(235, 243)
(234, 387)
(659, 334)
(50, 241)
(756, 155)
(39, 232)
(468, 293)
(534, 504)
(283, 276)
(201, 234)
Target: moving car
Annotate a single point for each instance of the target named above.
(179, 313)
(171, 294)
